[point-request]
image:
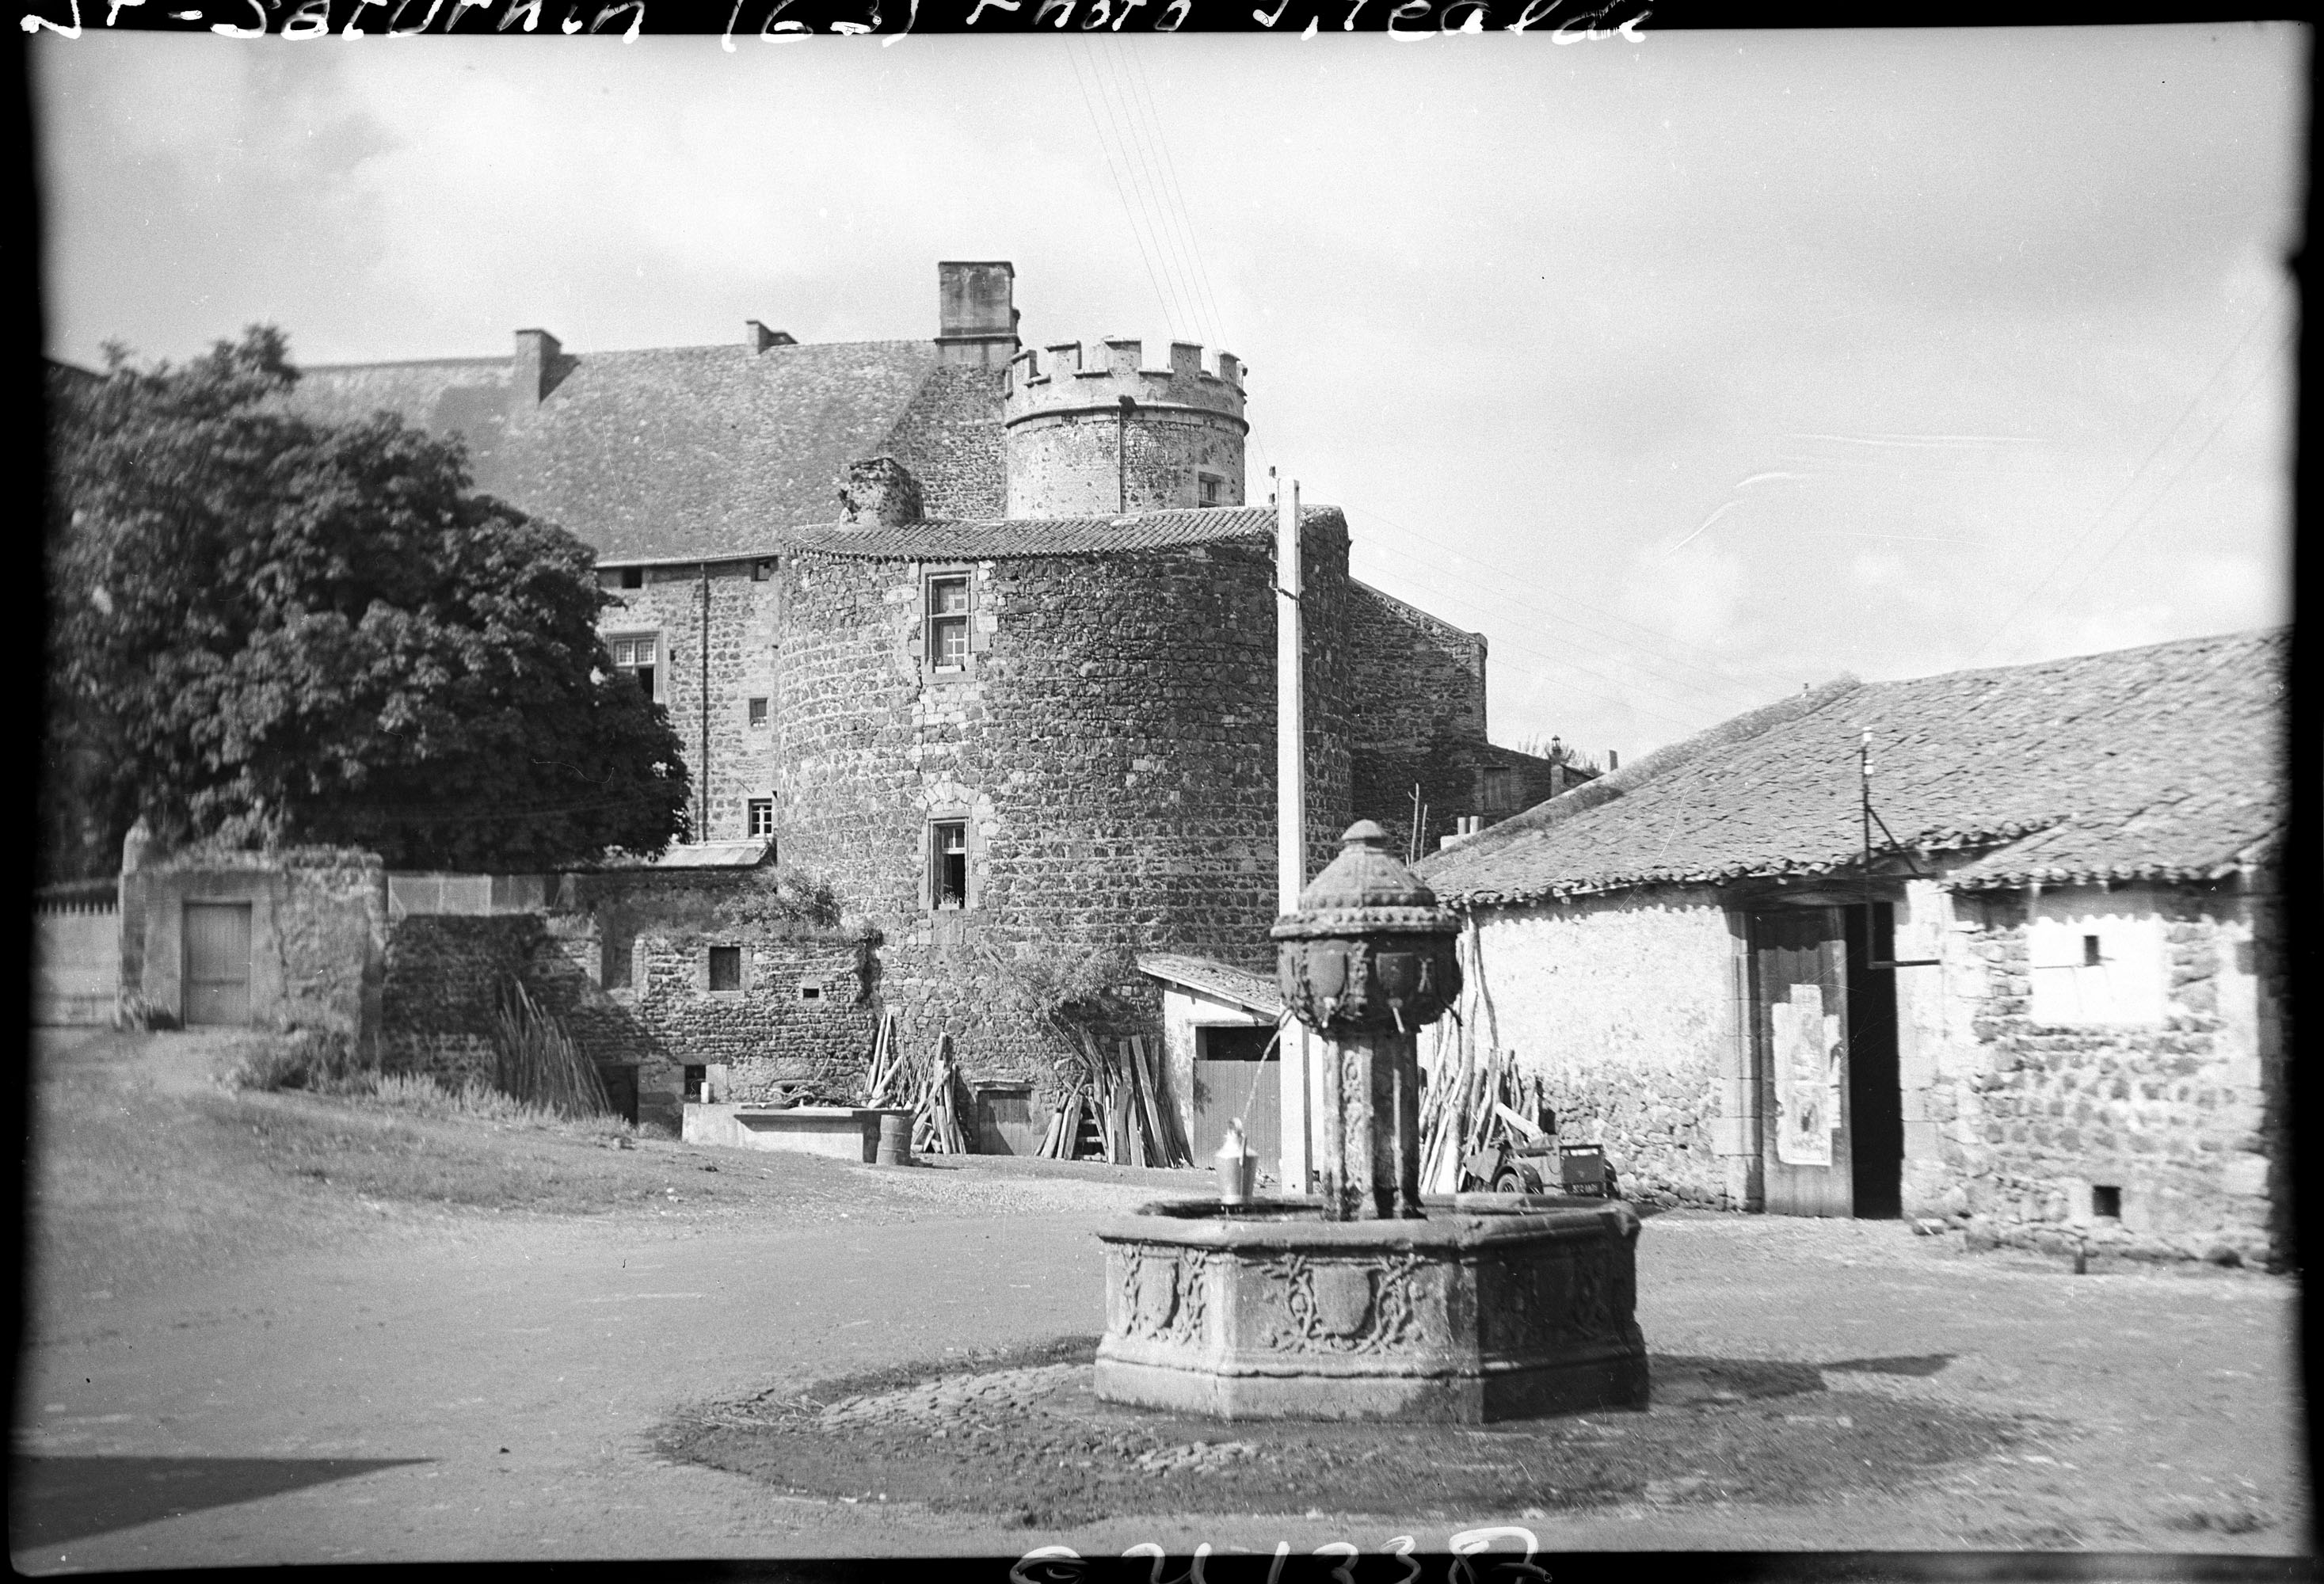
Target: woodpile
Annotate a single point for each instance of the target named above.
(1114, 1109)
(930, 1090)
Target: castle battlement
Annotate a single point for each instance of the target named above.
(1080, 376)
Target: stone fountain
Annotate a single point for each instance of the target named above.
(1363, 1302)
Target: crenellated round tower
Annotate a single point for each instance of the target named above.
(1089, 432)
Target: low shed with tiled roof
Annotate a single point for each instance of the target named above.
(2046, 1010)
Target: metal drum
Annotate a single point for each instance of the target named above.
(895, 1139)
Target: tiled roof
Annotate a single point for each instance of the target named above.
(1058, 535)
(662, 452)
(2160, 763)
(1221, 980)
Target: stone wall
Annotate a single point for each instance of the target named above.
(76, 964)
(950, 440)
(1421, 679)
(1625, 1007)
(764, 1032)
(1110, 747)
(1071, 465)
(745, 631)
(2166, 1096)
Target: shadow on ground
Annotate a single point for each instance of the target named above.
(1023, 1435)
(52, 1500)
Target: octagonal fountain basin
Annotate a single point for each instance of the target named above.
(1492, 1306)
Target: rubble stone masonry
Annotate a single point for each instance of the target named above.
(1109, 746)
(2173, 1112)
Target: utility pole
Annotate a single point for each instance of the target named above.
(1291, 819)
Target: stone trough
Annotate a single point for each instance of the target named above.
(847, 1132)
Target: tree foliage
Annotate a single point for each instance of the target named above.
(265, 629)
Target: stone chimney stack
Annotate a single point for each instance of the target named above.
(880, 489)
(758, 338)
(537, 351)
(976, 316)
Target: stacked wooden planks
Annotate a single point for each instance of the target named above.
(1115, 1108)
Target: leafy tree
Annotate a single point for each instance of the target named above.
(265, 629)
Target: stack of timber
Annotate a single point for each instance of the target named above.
(888, 1076)
(1115, 1108)
(936, 1118)
(1468, 1102)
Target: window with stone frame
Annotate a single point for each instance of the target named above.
(726, 967)
(948, 863)
(761, 812)
(1210, 489)
(947, 636)
(637, 655)
(755, 712)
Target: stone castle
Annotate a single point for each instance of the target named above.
(980, 633)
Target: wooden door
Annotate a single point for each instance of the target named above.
(1230, 1080)
(1799, 1017)
(217, 964)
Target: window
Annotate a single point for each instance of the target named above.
(2105, 1203)
(762, 816)
(948, 863)
(808, 990)
(2090, 958)
(1209, 489)
(636, 656)
(761, 570)
(1499, 789)
(694, 1077)
(948, 622)
(726, 967)
(758, 712)
(634, 578)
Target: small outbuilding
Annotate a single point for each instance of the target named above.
(2002, 946)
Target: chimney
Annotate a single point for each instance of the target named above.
(880, 489)
(758, 338)
(537, 351)
(1613, 761)
(976, 316)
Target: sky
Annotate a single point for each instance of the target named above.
(1690, 370)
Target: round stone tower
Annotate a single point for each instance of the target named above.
(1091, 433)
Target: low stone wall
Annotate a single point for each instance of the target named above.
(76, 964)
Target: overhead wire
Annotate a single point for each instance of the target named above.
(2131, 483)
(1749, 685)
(2065, 599)
(1105, 152)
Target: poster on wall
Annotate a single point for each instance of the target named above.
(1807, 1077)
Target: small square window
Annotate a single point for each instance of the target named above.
(762, 816)
(726, 967)
(2105, 1203)
(948, 622)
(634, 578)
(948, 863)
(758, 712)
(1209, 489)
(2090, 958)
(761, 570)
(694, 1079)
(810, 991)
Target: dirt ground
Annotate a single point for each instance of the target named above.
(271, 1328)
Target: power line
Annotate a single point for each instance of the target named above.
(2066, 599)
(1115, 177)
(1733, 684)
(2131, 483)
(1708, 700)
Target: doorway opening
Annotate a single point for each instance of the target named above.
(1876, 1104)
